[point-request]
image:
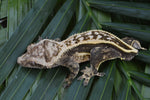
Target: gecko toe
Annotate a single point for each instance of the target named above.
(86, 81)
(66, 83)
(101, 74)
(80, 78)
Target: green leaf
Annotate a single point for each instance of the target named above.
(3, 31)
(125, 91)
(20, 85)
(3, 8)
(48, 85)
(141, 32)
(144, 56)
(3, 37)
(123, 68)
(117, 81)
(82, 25)
(62, 18)
(138, 10)
(17, 9)
(81, 11)
(142, 77)
(102, 89)
(145, 89)
(23, 35)
(98, 26)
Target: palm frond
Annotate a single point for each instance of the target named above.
(60, 19)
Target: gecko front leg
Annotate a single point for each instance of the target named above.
(74, 69)
(72, 66)
(98, 55)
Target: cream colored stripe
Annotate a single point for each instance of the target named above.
(66, 48)
(133, 50)
(102, 32)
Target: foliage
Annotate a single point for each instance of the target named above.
(29, 19)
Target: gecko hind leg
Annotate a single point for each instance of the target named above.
(74, 69)
(98, 55)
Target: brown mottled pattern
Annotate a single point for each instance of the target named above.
(43, 53)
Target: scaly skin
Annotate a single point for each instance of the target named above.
(94, 45)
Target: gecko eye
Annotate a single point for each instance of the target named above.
(32, 63)
(35, 65)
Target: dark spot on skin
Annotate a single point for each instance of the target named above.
(104, 33)
(94, 35)
(45, 43)
(77, 40)
(86, 75)
(35, 64)
(39, 65)
(32, 63)
(75, 36)
(72, 75)
(86, 37)
(60, 45)
(47, 56)
(75, 69)
(95, 71)
(68, 43)
(97, 32)
(55, 53)
(105, 37)
(46, 53)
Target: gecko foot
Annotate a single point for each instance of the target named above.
(68, 80)
(88, 73)
(66, 83)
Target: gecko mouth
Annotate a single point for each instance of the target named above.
(35, 65)
(30, 64)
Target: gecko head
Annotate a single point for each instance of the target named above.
(40, 55)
